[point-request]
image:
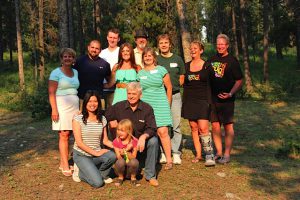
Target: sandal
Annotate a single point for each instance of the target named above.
(118, 182)
(196, 159)
(67, 172)
(135, 183)
(168, 166)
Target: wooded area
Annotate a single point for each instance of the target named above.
(41, 27)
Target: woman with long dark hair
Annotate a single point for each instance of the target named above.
(92, 163)
(124, 72)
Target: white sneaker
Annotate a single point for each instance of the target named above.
(176, 159)
(108, 180)
(162, 159)
(209, 160)
(75, 174)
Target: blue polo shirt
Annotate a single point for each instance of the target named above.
(91, 74)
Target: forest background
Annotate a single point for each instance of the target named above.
(265, 37)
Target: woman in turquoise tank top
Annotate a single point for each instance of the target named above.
(125, 71)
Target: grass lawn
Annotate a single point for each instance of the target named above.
(29, 162)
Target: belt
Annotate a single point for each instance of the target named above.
(175, 92)
(121, 85)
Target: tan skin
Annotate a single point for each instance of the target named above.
(125, 66)
(67, 60)
(222, 48)
(91, 107)
(164, 46)
(126, 139)
(162, 132)
(200, 126)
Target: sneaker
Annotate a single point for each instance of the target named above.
(209, 160)
(75, 174)
(224, 160)
(162, 159)
(176, 159)
(218, 158)
(153, 182)
(108, 180)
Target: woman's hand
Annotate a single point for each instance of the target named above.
(101, 152)
(55, 115)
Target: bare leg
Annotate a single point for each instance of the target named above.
(165, 141)
(196, 139)
(64, 149)
(217, 137)
(229, 136)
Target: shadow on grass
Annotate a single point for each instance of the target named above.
(261, 130)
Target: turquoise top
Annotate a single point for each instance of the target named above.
(154, 93)
(66, 85)
(123, 76)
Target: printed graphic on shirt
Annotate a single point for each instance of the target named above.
(219, 68)
(193, 77)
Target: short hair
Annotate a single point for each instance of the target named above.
(96, 41)
(134, 86)
(69, 51)
(152, 52)
(164, 36)
(199, 43)
(223, 36)
(127, 125)
(114, 30)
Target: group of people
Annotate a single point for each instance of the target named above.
(139, 89)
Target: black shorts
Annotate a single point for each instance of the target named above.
(222, 112)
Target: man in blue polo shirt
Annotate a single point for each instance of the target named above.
(92, 70)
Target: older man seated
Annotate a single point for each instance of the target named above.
(142, 116)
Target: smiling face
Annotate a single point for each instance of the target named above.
(125, 53)
(94, 49)
(148, 59)
(92, 104)
(67, 59)
(141, 43)
(195, 51)
(113, 39)
(133, 97)
(222, 46)
(164, 45)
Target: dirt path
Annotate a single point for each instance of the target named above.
(29, 165)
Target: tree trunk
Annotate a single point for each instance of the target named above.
(63, 23)
(70, 23)
(34, 32)
(19, 44)
(297, 18)
(234, 32)
(80, 28)
(1, 37)
(278, 45)
(41, 41)
(185, 34)
(97, 18)
(266, 25)
(248, 79)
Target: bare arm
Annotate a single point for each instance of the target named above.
(168, 85)
(181, 80)
(111, 81)
(106, 141)
(52, 87)
(237, 86)
(81, 145)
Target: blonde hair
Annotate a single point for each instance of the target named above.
(126, 124)
(152, 52)
(67, 51)
(200, 44)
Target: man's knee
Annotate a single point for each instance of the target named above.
(152, 142)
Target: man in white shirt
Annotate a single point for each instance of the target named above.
(141, 42)
(110, 55)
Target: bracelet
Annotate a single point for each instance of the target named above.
(230, 94)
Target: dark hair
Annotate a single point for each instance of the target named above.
(114, 30)
(98, 112)
(132, 59)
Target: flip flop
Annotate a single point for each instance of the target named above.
(67, 172)
(168, 166)
(196, 160)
